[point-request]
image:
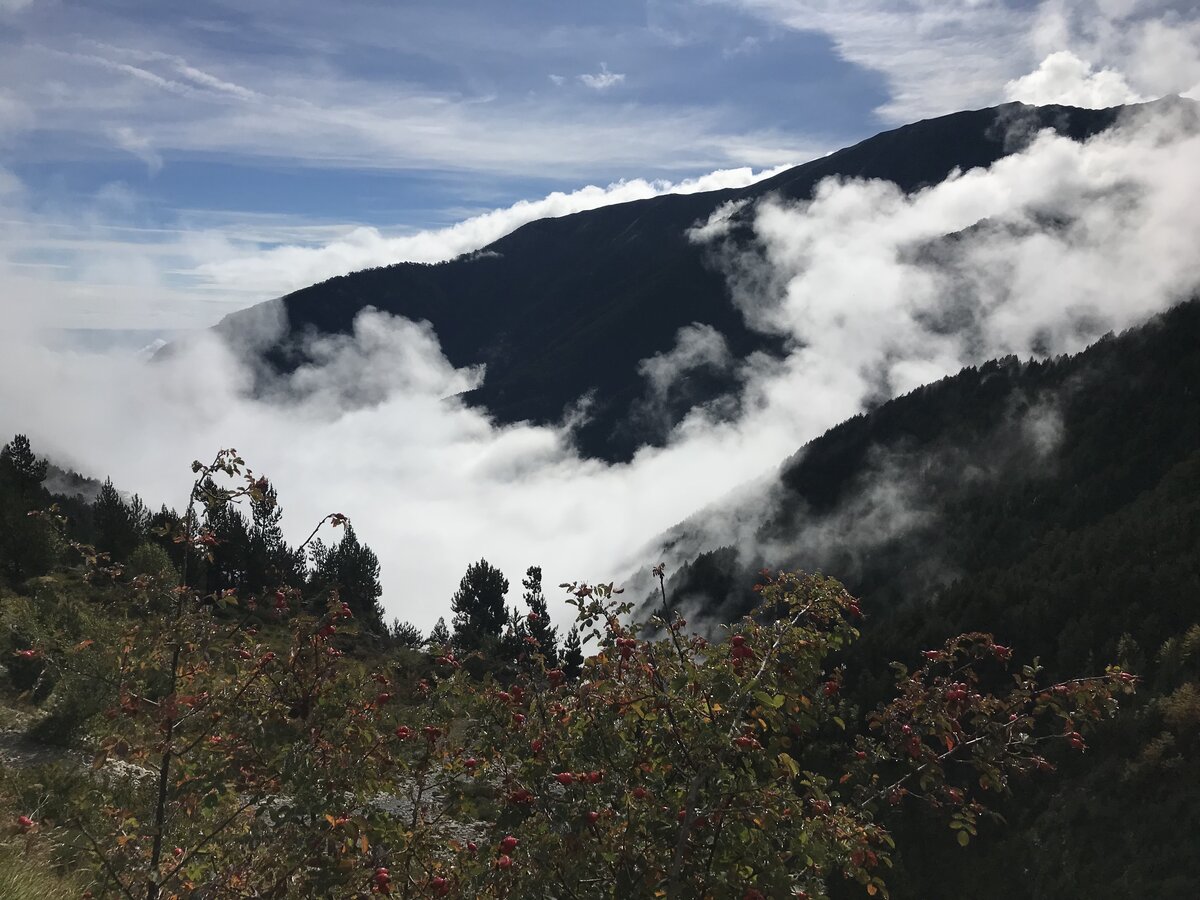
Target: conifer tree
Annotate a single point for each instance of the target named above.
(538, 621)
(439, 637)
(572, 662)
(478, 605)
(20, 466)
(352, 568)
(27, 545)
(270, 560)
(406, 634)
(116, 522)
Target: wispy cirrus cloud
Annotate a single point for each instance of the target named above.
(421, 87)
(602, 80)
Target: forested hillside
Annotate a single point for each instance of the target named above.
(620, 282)
(1052, 503)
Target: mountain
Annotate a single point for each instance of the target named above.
(979, 472)
(565, 308)
(1055, 504)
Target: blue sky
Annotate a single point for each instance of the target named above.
(144, 148)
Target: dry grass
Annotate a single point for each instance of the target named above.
(25, 875)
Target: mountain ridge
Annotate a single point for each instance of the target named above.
(564, 308)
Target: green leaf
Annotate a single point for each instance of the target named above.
(788, 763)
(963, 839)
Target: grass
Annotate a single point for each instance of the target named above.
(26, 875)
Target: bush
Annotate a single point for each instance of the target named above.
(281, 765)
(152, 560)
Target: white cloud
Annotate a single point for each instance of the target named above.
(602, 80)
(940, 56)
(432, 485)
(1066, 79)
(280, 269)
(9, 183)
(15, 116)
(129, 140)
(190, 102)
(105, 265)
(558, 80)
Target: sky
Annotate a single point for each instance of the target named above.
(151, 153)
(160, 169)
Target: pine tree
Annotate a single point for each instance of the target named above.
(406, 634)
(27, 545)
(538, 620)
(478, 605)
(572, 663)
(440, 636)
(352, 569)
(228, 563)
(270, 560)
(118, 531)
(20, 466)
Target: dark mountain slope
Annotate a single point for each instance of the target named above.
(1057, 505)
(563, 308)
(975, 472)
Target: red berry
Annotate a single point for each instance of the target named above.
(504, 862)
(640, 793)
(508, 843)
(404, 732)
(25, 822)
(471, 762)
(592, 816)
(564, 778)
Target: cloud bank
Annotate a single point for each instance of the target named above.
(284, 268)
(1053, 247)
(1066, 79)
(107, 264)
